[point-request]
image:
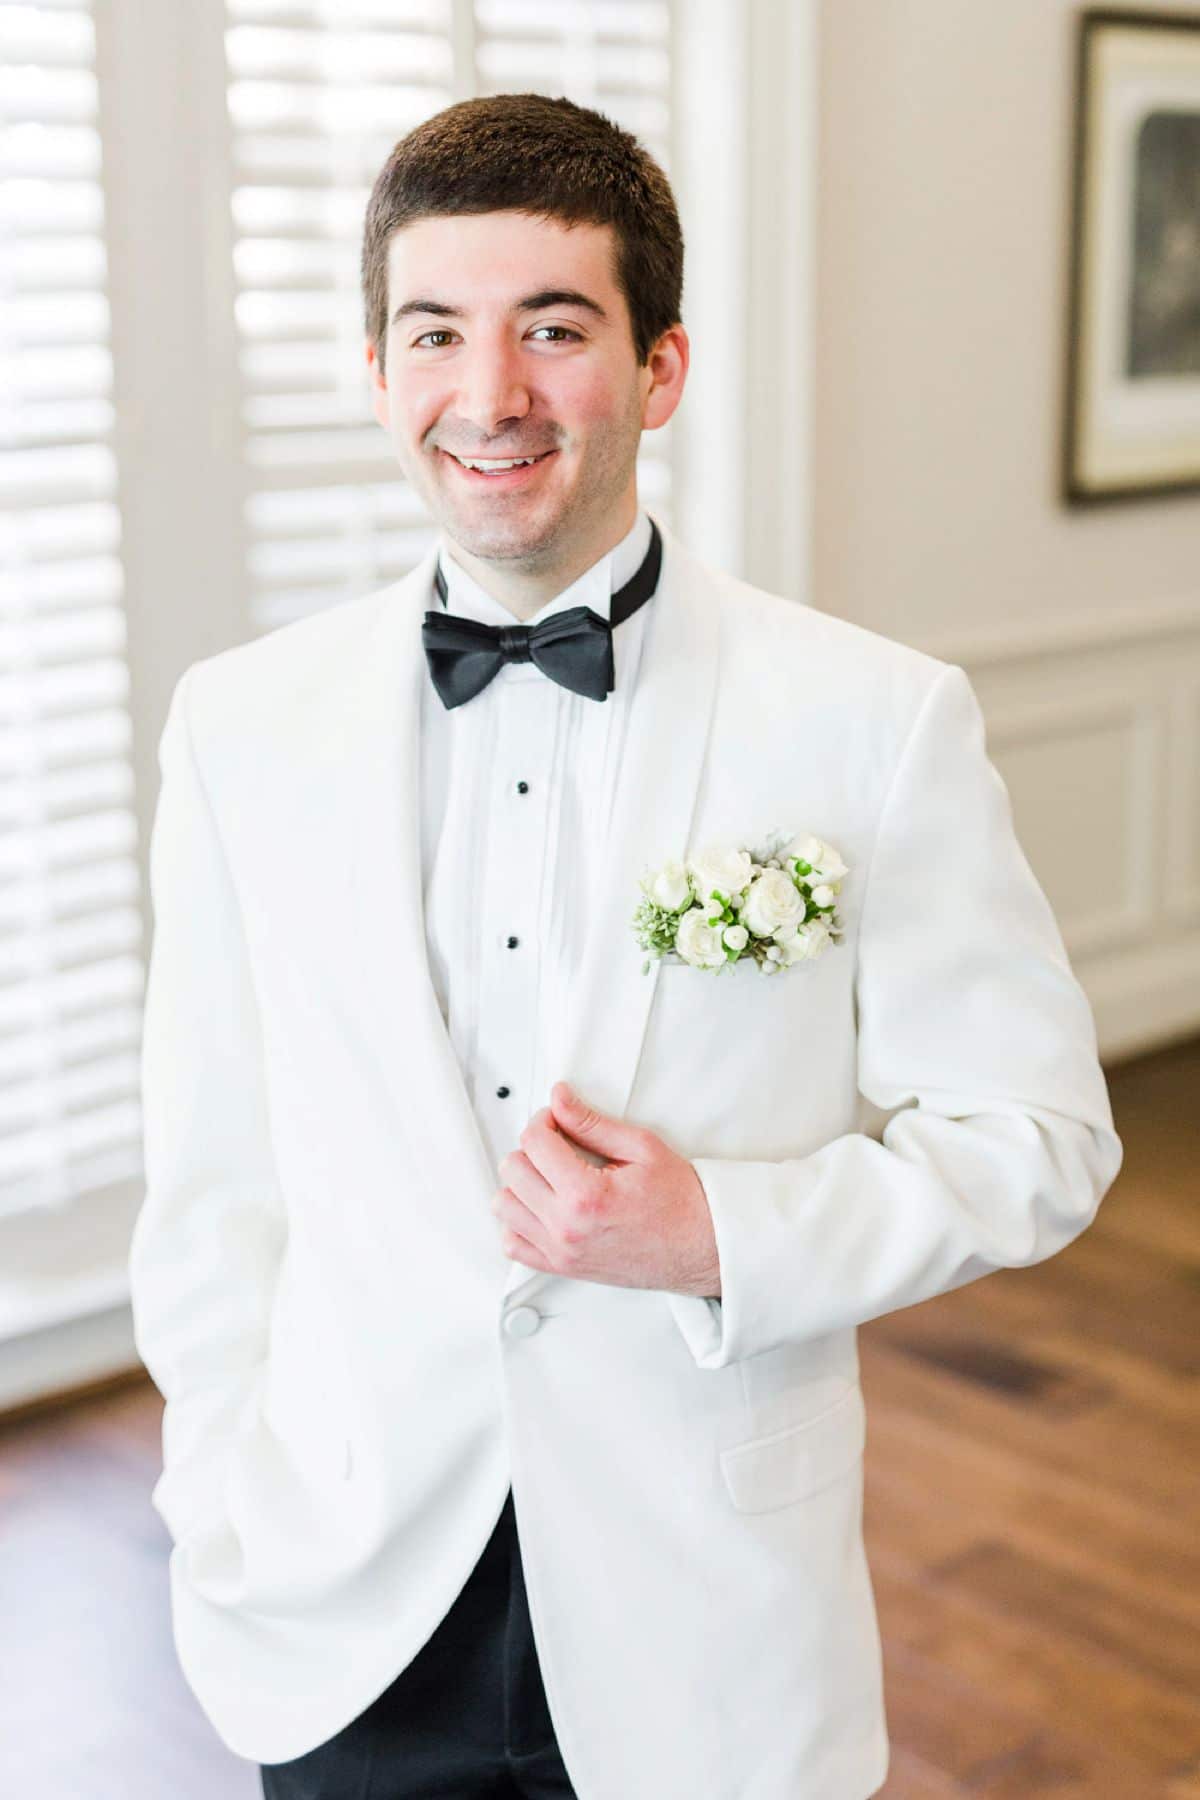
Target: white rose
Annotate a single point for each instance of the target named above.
(669, 887)
(717, 867)
(825, 863)
(804, 944)
(698, 942)
(736, 936)
(823, 895)
(774, 902)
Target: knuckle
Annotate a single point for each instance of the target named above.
(589, 1204)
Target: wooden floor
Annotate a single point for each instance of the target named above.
(1033, 1495)
(1032, 1523)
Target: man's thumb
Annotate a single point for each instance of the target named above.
(612, 1137)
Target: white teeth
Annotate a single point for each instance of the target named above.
(516, 462)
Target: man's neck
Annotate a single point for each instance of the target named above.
(524, 588)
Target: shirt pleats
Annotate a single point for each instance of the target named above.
(499, 863)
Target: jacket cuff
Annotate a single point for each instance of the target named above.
(701, 1328)
(722, 1331)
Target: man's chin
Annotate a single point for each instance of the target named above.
(499, 539)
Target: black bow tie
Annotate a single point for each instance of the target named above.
(573, 647)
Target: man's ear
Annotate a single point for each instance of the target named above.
(668, 367)
(379, 395)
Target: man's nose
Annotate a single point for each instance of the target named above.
(493, 388)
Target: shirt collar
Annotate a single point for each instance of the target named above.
(594, 588)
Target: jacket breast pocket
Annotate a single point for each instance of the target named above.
(769, 1472)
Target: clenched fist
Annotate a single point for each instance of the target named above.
(639, 1220)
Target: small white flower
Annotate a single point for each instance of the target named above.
(736, 936)
(774, 900)
(805, 944)
(669, 886)
(717, 868)
(823, 896)
(826, 864)
(698, 942)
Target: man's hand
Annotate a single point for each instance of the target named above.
(641, 1220)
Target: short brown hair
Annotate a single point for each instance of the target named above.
(547, 157)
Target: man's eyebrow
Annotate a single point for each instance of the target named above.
(529, 303)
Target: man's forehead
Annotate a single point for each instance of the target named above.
(426, 243)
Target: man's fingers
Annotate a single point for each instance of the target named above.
(522, 1251)
(554, 1156)
(517, 1218)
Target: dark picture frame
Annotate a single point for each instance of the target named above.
(1132, 391)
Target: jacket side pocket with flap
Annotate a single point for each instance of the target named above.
(788, 1465)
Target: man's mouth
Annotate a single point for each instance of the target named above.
(500, 471)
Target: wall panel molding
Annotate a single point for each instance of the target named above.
(1115, 910)
(1031, 640)
(1094, 725)
(1182, 891)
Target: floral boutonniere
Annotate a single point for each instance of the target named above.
(775, 906)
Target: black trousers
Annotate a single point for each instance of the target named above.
(466, 1719)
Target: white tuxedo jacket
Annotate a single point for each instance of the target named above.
(354, 1371)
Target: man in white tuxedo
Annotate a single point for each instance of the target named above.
(501, 1279)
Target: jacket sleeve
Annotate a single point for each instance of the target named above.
(209, 1237)
(973, 1033)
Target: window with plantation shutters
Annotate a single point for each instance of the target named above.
(317, 96)
(188, 459)
(70, 912)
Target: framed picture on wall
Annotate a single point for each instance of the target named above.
(1133, 357)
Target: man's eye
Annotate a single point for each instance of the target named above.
(441, 332)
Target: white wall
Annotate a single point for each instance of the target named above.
(943, 222)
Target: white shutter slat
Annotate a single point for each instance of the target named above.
(289, 15)
(29, 1176)
(71, 928)
(46, 96)
(94, 1036)
(56, 584)
(317, 96)
(55, 34)
(38, 692)
(308, 451)
(277, 63)
(573, 22)
(295, 212)
(45, 742)
(31, 208)
(53, 318)
(74, 941)
(90, 633)
(53, 477)
(61, 999)
(50, 153)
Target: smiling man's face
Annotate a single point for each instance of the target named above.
(508, 337)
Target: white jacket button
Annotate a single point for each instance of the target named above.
(522, 1321)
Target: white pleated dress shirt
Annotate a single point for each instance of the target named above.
(517, 786)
